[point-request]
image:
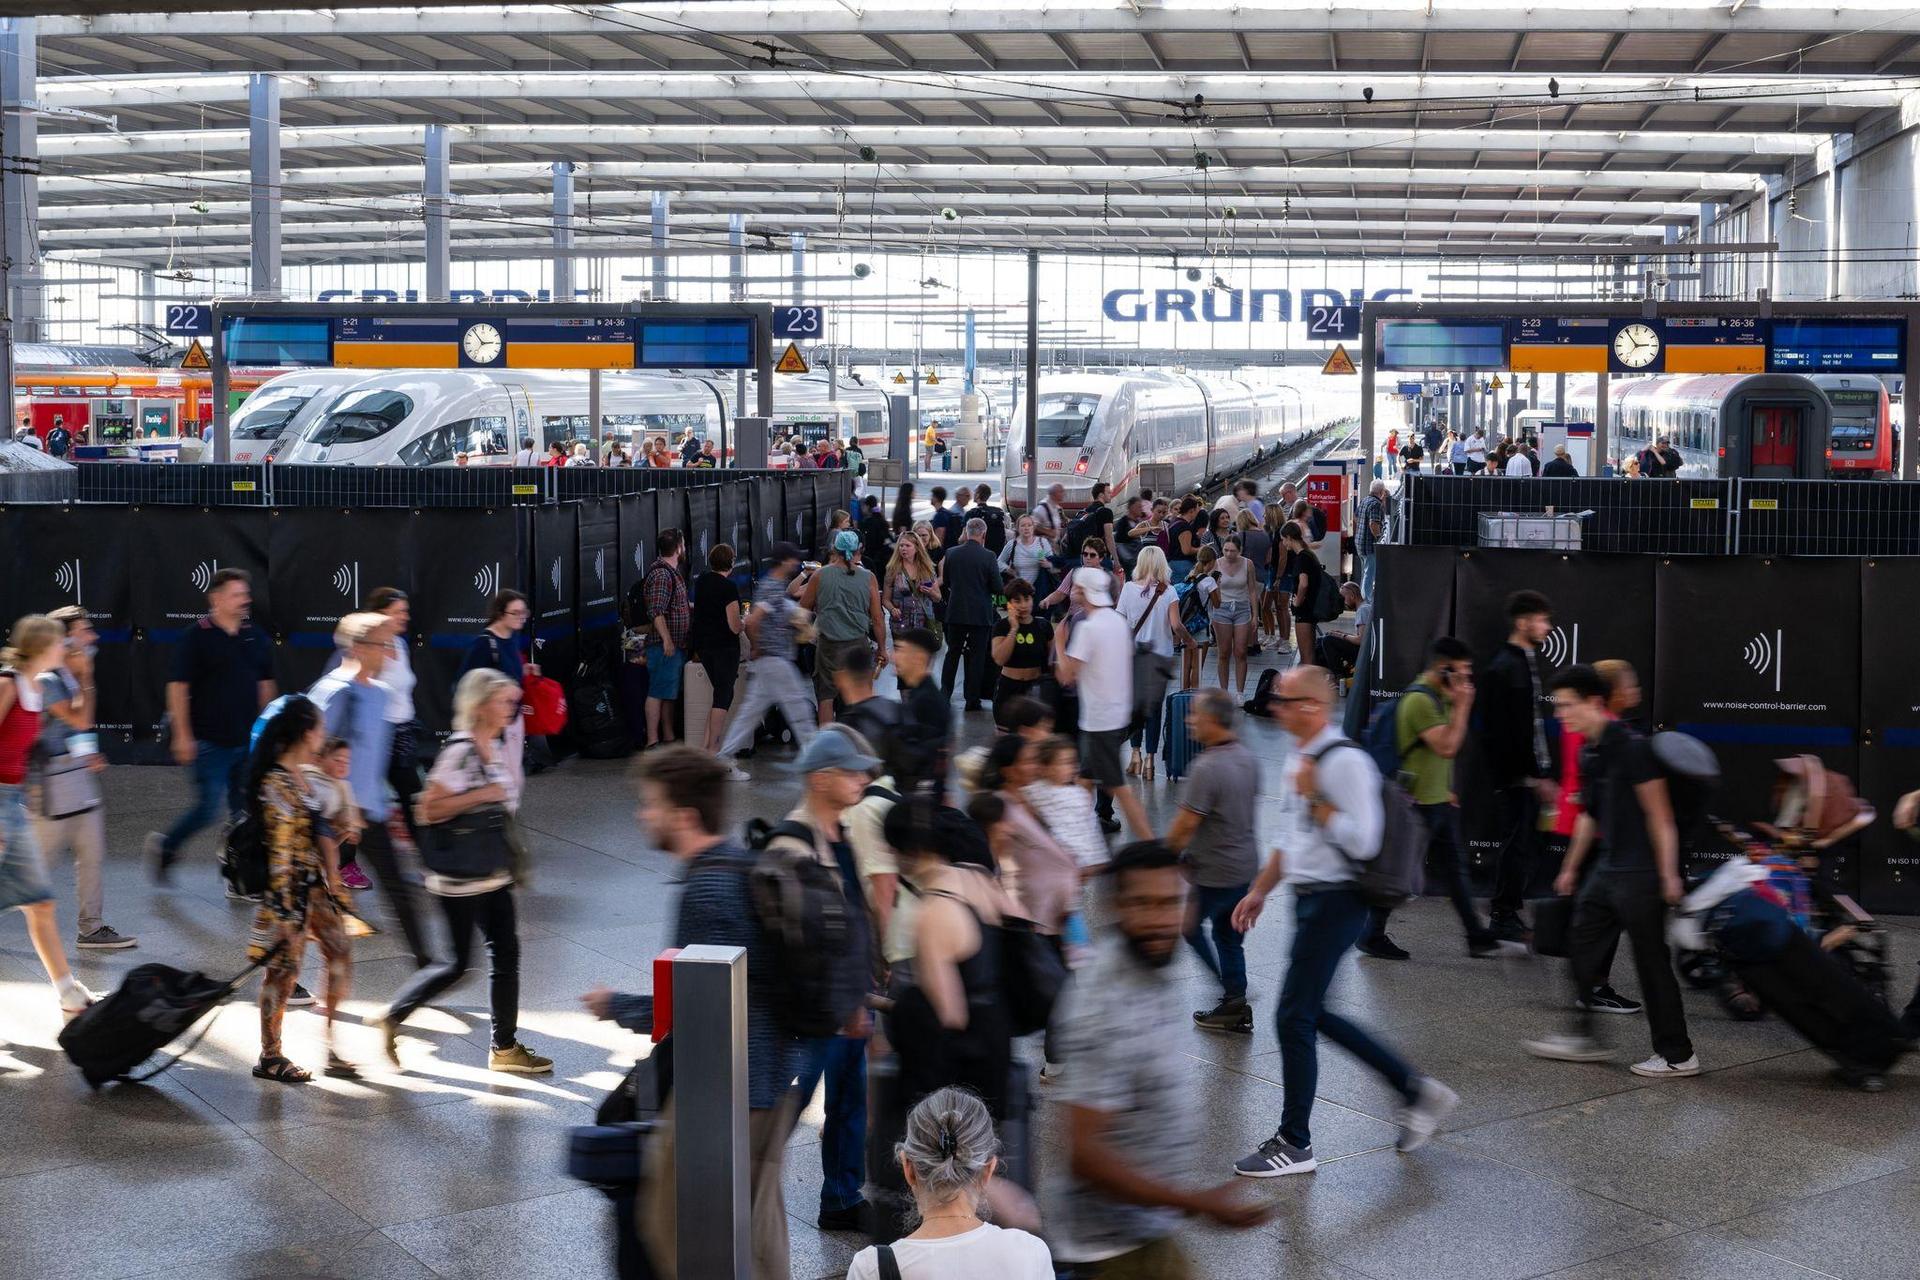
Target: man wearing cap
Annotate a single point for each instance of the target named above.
(1096, 657)
(837, 764)
(845, 599)
(971, 579)
(773, 673)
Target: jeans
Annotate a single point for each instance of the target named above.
(973, 642)
(1443, 852)
(1519, 812)
(216, 780)
(1369, 571)
(771, 682)
(492, 914)
(842, 1062)
(1151, 675)
(1612, 903)
(1326, 925)
(1225, 957)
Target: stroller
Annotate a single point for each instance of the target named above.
(1768, 933)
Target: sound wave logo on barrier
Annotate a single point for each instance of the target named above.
(346, 579)
(487, 580)
(1561, 647)
(1764, 653)
(705, 537)
(553, 576)
(203, 575)
(640, 556)
(600, 568)
(66, 576)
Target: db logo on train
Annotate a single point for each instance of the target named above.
(1054, 466)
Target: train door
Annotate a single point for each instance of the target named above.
(521, 419)
(1773, 442)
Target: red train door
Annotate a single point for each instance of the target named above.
(1773, 443)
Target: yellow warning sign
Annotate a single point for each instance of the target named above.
(1496, 384)
(1339, 361)
(791, 361)
(1763, 504)
(196, 357)
(1704, 504)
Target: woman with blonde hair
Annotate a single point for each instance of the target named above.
(34, 648)
(1152, 609)
(912, 587)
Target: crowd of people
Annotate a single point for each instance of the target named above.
(965, 876)
(1450, 451)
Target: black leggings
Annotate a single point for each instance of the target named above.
(492, 914)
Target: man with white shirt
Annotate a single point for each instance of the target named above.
(528, 455)
(1476, 452)
(1519, 464)
(1050, 513)
(1330, 820)
(1097, 660)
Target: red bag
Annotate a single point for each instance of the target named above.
(544, 703)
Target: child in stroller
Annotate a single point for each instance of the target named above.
(1769, 931)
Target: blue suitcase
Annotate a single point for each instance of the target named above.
(1177, 746)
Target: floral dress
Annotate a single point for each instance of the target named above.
(912, 606)
(297, 904)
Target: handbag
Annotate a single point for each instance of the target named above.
(545, 703)
(1139, 647)
(1032, 974)
(472, 845)
(68, 787)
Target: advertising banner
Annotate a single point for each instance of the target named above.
(670, 512)
(1602, 606)
(556, 562)
(637, 526)
(1760, 659)
(170, 592)
(736, 522)
(1889, 870)
(460, 559)
(322, 563)
(829, 495)
(598, 574)
(796, 505)
(703, 527)
(1414, 595)
(79, 555)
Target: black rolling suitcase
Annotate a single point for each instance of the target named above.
(155, 1003)
(1816, 995)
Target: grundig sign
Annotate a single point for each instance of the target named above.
(1137, 306)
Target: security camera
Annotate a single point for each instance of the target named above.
(1230, 212)
(1193, 274)
(861, 271)
(949, 213)
(868, 155)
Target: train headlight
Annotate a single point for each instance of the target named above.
(1080, 467)
(1026, 464)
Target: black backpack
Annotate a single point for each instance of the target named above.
(244, 859)
(803, 913)
(1261, 703)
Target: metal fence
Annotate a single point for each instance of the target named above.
(1674, 517)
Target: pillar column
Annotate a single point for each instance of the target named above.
(662, 203)
(737, 292)
(19, 189)
(436, 194)
(263, 164)
(563, 231)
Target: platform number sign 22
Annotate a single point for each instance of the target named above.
(1333, 324)
(798, 323)
(189, 320)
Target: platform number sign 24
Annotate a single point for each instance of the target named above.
(799, 323)
(189, 320)
(1333, 324)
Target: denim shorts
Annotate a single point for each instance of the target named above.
(23, 880)
(663, 672)
(1233, 613)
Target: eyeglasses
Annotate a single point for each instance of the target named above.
(1089, 555)
(1278, 697)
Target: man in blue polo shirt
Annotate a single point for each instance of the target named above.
(222, 677)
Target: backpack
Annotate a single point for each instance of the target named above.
(1078, 530)
(1326, 603)
(802, 912)
(1395, 874)
(243, 860)
(1262, 697)
(1383, 735)
(1194, 615)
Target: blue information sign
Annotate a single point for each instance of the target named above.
(189, 320)
(1333, 324)
(1414, 346)
(1411, 389)
(271, 340)
(1837, 345)
(799, 323)
(694, 344)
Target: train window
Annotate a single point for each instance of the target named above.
(360, 416)
(870, 422)
(1065, 420)
(267, 412)
(435, 446)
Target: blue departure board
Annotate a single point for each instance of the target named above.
(695, 344)
(1418, 346)
(1837, 345)
(267, 340)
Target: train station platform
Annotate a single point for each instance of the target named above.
(1760, 1169)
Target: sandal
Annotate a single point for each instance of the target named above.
(281, 1070)
(338, 1068)
(1133, 765)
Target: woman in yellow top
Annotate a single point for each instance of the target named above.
(304, 892)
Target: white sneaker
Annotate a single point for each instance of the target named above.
(1658, 1068)
(736, 774)
(1568, 1048)
(1420, 1118)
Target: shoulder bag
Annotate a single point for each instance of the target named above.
(469, 846)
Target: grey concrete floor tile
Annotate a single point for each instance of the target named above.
(160, 1209)
(1862, 1232)
(1669, 1150)
(1262, 1251)
(1703, 1255)
(817, 1254)
(372, 1257)
(433, 1161)
(52, 1120)
(1795, 1094)
(1445, 1212)
(568, 1236)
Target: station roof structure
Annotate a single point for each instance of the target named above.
(1352, 127)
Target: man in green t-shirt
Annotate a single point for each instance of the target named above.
(1430, 726)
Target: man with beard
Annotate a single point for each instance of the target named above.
(1116, 1206)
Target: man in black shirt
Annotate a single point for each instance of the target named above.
(1626, 807)
(1519, 760)
(873, 717)
(221, 680)
(1096, 521)
(925, 734)
(993, 517)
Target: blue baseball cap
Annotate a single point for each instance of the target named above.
(836, 747)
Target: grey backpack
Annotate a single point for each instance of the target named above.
(1397, 873)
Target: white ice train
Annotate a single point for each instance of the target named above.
(279, 411)
(1102, 426)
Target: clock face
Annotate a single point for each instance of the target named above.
(1636, 346)
(482, 344)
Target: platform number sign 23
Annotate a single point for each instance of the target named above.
(1333, 324)
(799, 323)
(189, 320)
